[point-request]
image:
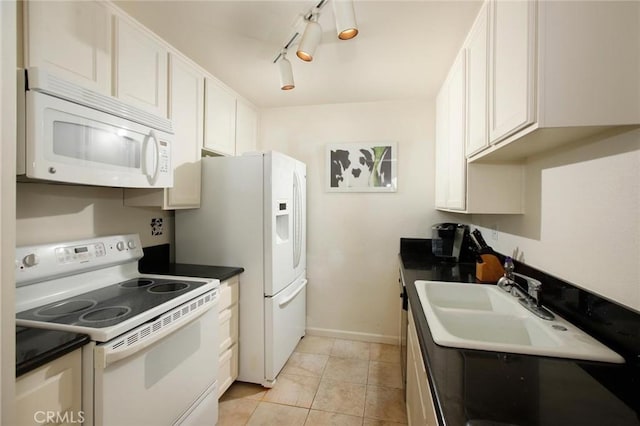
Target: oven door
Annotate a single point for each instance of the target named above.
(164, 379)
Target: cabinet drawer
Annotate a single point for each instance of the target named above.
(228, 328)
(228, 293)
(54, 387)
(227, 368)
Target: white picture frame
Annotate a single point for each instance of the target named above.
(362, 167)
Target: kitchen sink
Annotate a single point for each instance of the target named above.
(481, 316)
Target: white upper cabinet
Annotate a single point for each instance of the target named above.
(450, 131)
(220, 118)
(246, 127)
(72, 39)
(186, 110)
(477, 56)
(457, 162)
(461, 121)
(442, 150)
(512, 71)
(559, 72)
(140, 68)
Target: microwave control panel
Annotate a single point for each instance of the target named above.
(165, 157)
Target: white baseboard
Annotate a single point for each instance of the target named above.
(353, 335)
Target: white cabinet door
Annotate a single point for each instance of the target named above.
(220, 118)
(72, 39)
(55, 387)
(450, 130)
(442, 150)
(228, 317)
(246, 128)
(512, 67)
(419, 403)
(477, 58)
(140, 67)
(457, 162)
(186, 110)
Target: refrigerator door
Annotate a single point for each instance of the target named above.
(284, 326)
(284, 222)
(300, 219)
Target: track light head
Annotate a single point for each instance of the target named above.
(345, 19)
(286, 73)
(310, 39)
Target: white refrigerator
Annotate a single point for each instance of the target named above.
(253, 215)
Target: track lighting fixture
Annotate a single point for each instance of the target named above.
(345, 19)
(311, 38)
(346, 27)
(286, 74)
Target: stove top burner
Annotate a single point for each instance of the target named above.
(105, 314)
(168, 287)
(110, 305)
(65, 307)
(137, 283)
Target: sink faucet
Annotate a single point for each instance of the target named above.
(533, 290)
(529, 299)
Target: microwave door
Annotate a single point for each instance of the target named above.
(68, 142)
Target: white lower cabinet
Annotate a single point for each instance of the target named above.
(51, 394)
(228, 334)
(420, 408)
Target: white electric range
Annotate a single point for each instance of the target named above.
(153, 354)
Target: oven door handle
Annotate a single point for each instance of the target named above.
(106, 355)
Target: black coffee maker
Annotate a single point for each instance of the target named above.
(451, 242)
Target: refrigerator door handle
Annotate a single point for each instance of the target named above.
(303, 284)
(297, 234)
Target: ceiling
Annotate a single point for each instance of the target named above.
(403, 50)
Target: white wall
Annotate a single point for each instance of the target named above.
(49, 213)
(353, 238)
(582, 220)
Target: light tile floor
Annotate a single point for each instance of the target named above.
(325, 382)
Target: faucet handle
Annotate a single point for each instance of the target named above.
(534, 286)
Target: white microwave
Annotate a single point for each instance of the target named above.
(70, 134)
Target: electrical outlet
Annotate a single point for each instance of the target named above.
(494, 232)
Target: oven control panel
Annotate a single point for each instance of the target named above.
(34, 263)
(80, 253)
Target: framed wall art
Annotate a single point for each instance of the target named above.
(362, 167)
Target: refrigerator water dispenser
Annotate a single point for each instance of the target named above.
(282, 222)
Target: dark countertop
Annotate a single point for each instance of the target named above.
(36, 347)
(200, 271)
(156, 261)
(484, 388)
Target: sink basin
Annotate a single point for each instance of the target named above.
(481, 316)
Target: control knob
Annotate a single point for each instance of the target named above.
(30, 260)
(120, 245)
(131, 244)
